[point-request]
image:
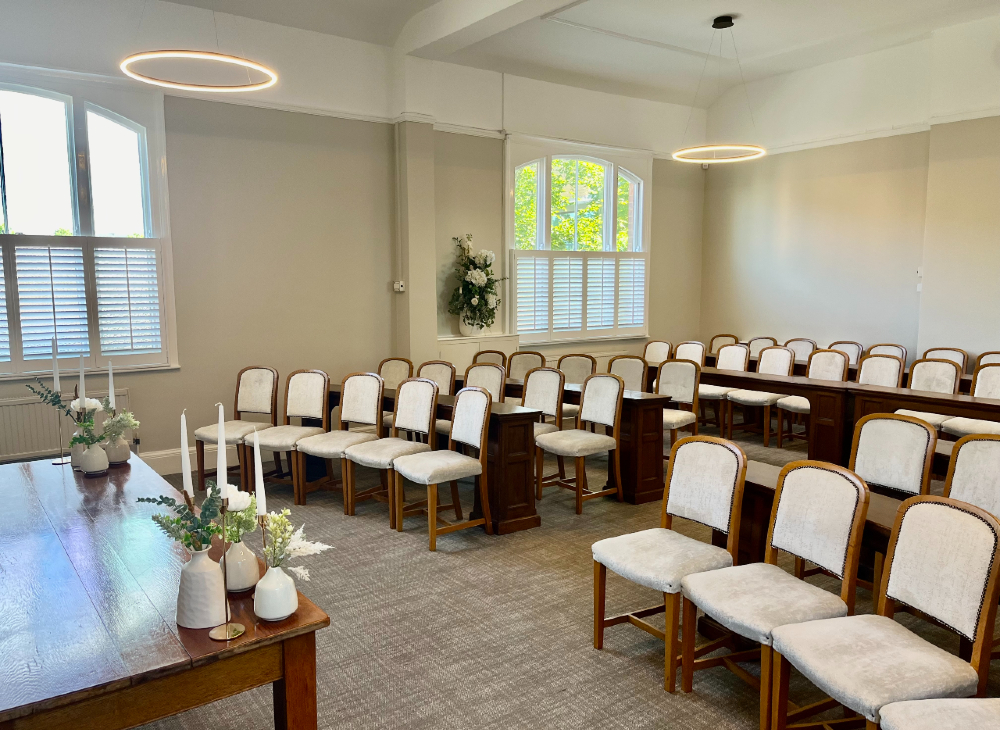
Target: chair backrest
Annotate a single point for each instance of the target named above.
(887, 348)
(775, 360)
(441, 372)
(577, 368)
(723, 340)
(974, 472)
(543, 389)
(935, 376)
(416, 407)
(492, 356)
(693, 351)
(487, 375)
(802, 347)
(307, 395)
(257, 392)
(957, 356)
(631, 369)
(679, 379)
(756, 344)
(987, 358)
(361, 401)
(894, 453)
(519, 363)
(942, 561)
(470, 417)
(819, 515)
(601, 400)
(656, 351)
(733, 357)
(394, 370)
(886, 370)
(827, 365)
(705, 484)
(986, 381)
(854, 350)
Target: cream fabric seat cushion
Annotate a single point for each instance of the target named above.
(754, 397)
(867, 662)
(755, 599)
(569, 410)
(332, 445)
(283, 438)
(437, 467)
(236, 431)
(659, 558)
(541, 428)
(380, 454)
(950, 714)
(387, 419)
(575, 442)
(713, 392)
(442, 426)
(676, 418)
(934, 419)
(794, 403)
(968, 426)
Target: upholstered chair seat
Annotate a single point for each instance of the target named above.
(381, 453)
(236, 431)
(575, 442)
(713, 392)
(947, 714)
(969, 426)
(659, 558)
(543, 428)
(754, 599)
(679, 379)
(753, 397)
(332, 445)
(935, 419)
(284, 438)
(985, 384)
(865, 662)
(437, 467)
(570, 411)
(794, 403)
(673, 420)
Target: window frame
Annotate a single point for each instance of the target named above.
(141, 111)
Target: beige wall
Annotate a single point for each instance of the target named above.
(822, 243)
(961, 287)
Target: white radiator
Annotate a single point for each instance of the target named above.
(29, 429)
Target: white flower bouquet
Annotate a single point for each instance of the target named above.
(477, 296)
(285, 542)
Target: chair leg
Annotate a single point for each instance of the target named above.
(600, 591)
(618, 473)
(728, 406)
(455, 501)
(484, 498)
(780, 671)
(539, 464)
(277, 464)
(199, 452)
(781, 427)
(345, 479)
(767, 426)
(432, 518)
(766, 679)
(562, 467)
(689, 621)
(400, 493)
(673, 437)
(241, 460)
(293, 464)
(672, 604)
(581, 481)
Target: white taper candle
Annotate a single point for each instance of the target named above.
(220, 462)
(186, 456)
(258, 472)
(111, 385)
(83, 388)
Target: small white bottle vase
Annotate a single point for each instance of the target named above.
(275, 597)
(201, 597)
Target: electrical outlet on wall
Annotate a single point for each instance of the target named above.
(399, 286)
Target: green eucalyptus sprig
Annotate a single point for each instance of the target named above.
(49, 397)
(194, 531)
(241, 523)
(87, 436)
(118, 423)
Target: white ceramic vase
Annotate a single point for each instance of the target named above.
(242, 569)
(201, 598)
(275, 597)
(469, 330)
(94, 461)
(117, 451)
(76, 452)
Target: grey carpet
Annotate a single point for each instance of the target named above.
(492, 631)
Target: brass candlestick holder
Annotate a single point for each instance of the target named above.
(230, 629)
(63, 460)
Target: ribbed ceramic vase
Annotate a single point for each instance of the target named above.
(117, 451)
(275, 597)
(469, 330)
(201, 597)
(242, 569)
(94, 461)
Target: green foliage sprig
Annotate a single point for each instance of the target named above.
(476, 299)
(116, 426)
(49, 397)
(86, 435)
(194, 531)
(239, 524)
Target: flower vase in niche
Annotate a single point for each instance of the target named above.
(242, 568)
(275, 597)
(476, 299)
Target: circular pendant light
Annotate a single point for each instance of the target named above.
(719, 154)
(200, 56)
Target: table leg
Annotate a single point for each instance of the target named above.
(295, 692)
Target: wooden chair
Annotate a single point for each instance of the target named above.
(818, 516)
(442, 373)
(414, 410)
(543, 390)
(256, 392)
(656, 351)
(893, 454)
(888, 348)
(491, 376)
(802, 347)
(470, 425)
(854, 350)
(756, 344)
(884, 370)
(979, 713)
(772, 361)
(988, 358)
(959, 357)
(519, 363)
(823, 365)
(576, 368)
(307, 397)
(724, 340)
(393, 371)
(985, 384)
(691, 350)
(866, 662)
(601, 405)
(360, 403)
(705, 484)
(679, 379)
(730, 357)
(490, 356)
(934, 376)
(631, 369)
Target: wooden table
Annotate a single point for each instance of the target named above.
(88, 592)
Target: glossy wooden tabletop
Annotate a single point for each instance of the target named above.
(88, 589)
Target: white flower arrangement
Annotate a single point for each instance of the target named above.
(90, 404)
(476, 299)
(238, 501)
(286, 542)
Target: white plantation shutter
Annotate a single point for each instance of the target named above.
(600, 293)
(531, 275)
(4, 329)
(128, 300)
(631, 292)
(52, 300)
(567, 294)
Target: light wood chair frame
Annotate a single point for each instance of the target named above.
(806, 418)
(746, 426)
(886, 344)
(975, 376)
(671, 604)
(980, 647)
(704, 351)
(519, 353)
(861, 349)
(430, 506)
(693, 426)
(803, 339)
(772, 340)
(578, 483)
(963, 366)
(503, 378)
(719, 406)
(244, 462)
(711, 343)
(297, 474)
(670, 349)
(645, 367)
(451, 388)
(958, 371)
(409, 363)
(501, 353)
(902, 368)
(848, 594)
(979, 358)
(593, 361)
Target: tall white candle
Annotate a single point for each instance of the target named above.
(258, 472)
(220, 463)
(55, 365)
(83, 387)
(186, 456)
(111, 385)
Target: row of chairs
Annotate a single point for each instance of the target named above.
(942, 564)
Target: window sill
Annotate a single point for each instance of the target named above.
(578, 340)
(70, 374)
